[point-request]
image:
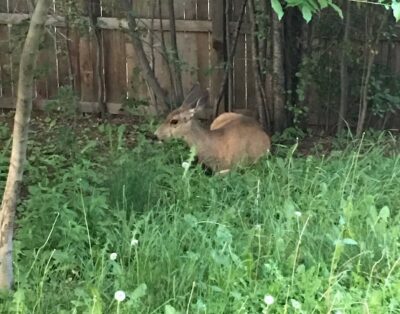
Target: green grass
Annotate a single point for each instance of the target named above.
(319, 230)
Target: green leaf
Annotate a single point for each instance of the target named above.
(396, 10)
(384, 213)
(336, 8)
(170, 310)
(323, 3)
(307, 14)
(139, 292)
(349, 241)
(276, 5)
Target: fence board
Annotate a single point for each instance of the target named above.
(47, 82)
(179, 9)
(161, 67)
(114, 59)
(87, 63)
(202, 10)
(5, 64)
(141, 8)
(250, 84)
(136, 85)
(114, 65)
(190, 9)
(239, 74)
(19, 6)
(187, 46)
(3, 6)
(203, 59)
(217, 52)
(17, 37)
(62, 57)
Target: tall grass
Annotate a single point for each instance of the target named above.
(317, 234)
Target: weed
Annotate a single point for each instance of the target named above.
(301, 234)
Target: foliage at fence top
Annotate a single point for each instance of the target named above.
(310, 7)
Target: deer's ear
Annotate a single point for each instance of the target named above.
(194, 94)
(202, 102)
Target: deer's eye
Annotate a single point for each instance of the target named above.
(173, 122)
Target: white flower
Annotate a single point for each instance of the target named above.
(113, 256)
(119, 295)
(297, 214)
(269, 299)
(296, 304)
(185, 165)
(134, 242)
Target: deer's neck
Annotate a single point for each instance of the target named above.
(199, 137)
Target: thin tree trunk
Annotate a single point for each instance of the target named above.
(177, 68)
(371, 52)
(143, 62)
(278, 76)
(164, 47)
(94, 13)
(260, 92)
(20, 139)
(344, 79)
(229, 62)
(228, 8)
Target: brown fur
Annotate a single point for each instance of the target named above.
(232, 139)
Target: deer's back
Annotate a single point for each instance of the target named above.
(237, 139)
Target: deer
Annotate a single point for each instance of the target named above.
(232, 138)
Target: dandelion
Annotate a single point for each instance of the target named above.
(185, 165)
(134, 242)
(119, 295)
(297, 214)
(113, 256)
(296, 304)
(269, 299)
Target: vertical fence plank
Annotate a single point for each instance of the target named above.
(46, 80)
(5, 64)
(136, 87)
(203, 47)
(87, 56)
(19, 6)
(202, 10)
(203, 59)
(179, 9)
(250, 82)
(217, 53)
(87, 60)
(190, 9)
(187, 46)
(114, 60)
(239, 62)
(161, 67)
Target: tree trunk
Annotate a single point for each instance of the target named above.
(216, 44)
(177, 67)
(93, 10)
(20, 139)
(256, 63)
(344, 80)
(278, 76)
(143, 62)
(371, 52)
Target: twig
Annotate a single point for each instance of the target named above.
(143, 62)
(177, 71)
(229, 61)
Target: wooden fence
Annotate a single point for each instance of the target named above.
(70, 56)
